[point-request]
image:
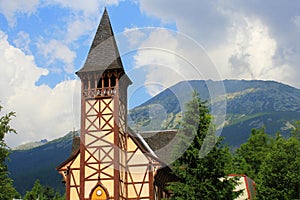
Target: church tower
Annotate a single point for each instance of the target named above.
(103, 118)
(109, 161)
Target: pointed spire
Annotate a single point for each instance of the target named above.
(104, 30)
(103, 54)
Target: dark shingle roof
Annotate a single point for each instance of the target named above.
(103, 54)
(158, 139)
(162, 143)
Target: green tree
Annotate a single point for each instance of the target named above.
(279, 175)
(250, 155)
(296, 131)
(202, 167)
(7, 191)
(40, 192)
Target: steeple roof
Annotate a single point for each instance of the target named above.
(103, 54)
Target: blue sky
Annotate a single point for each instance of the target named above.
(43, 43)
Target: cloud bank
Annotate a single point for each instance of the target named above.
(42, 112)
(245, 39)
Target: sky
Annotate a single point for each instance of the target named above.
(44, 42)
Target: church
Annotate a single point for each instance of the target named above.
(109, 160)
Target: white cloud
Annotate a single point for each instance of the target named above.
(22, 42)
(85, 15)
(250, 34)
(156, 56)
(78, 27)
(86, 7)
(42, 112)
(252, 50)
(134, 36)
(249, 53)
(11, 8)
(296, 21)
(200, 19)
(167, 57)
(57, 51)
(14, 68)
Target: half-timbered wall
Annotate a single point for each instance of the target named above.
(140, 173)
(98, 145)
(74, 174)
(103, 136)
(122, 107)
(71, 175)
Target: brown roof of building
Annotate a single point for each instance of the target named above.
(103, 54)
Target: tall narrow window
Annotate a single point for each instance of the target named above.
(106, 82)
(85, 84)
(113, 81)
(92, 83)
(99, 85)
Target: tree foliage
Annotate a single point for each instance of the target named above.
(40, 192)
(273, 163)
(200, 174)
(296, 131)
(279, 174)
(250, 155)
(7, 191)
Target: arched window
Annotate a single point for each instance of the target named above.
(99, 193)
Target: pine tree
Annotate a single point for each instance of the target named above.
(7, 191)
(201, 168)
(36, 192)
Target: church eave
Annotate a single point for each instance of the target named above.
(62, 165)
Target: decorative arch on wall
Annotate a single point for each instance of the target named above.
(99, 192)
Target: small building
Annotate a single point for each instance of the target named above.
(109, 161)
(246, 185)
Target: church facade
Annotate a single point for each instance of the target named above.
(110, 161)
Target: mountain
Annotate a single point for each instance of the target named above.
(30, 145)
(25, 166)
(250, 104)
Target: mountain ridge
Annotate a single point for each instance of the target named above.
(245, 99)
(250, 104)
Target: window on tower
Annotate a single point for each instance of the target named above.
(85, 84)
(106, 82)
(92, 83)
(99, 85)
(113, 81)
